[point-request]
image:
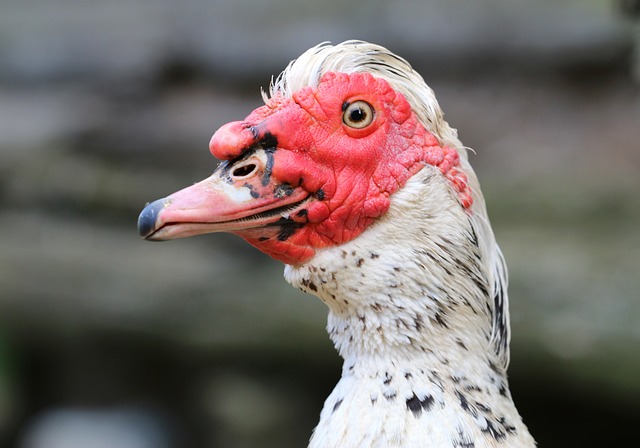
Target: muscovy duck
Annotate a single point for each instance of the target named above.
(350, 176)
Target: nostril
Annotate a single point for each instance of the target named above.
(244, 170)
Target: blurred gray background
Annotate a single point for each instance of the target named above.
(110, 341)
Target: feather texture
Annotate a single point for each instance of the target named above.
(363, 57)
(350, 175)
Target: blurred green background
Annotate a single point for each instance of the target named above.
(110, 341)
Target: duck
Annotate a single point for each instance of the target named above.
(350, 176)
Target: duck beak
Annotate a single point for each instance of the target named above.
(239, 195)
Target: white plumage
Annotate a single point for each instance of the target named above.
(384, 312)
(417, 298)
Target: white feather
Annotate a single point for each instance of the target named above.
(356, 57)
(420, 296)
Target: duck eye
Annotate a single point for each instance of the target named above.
(358, 114)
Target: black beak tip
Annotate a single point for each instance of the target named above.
(148, 217)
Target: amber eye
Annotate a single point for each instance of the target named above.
(358, 114)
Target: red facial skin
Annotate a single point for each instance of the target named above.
(351, 173)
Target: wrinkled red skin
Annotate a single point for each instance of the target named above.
(350, 172)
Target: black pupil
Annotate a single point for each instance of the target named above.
(357, 115)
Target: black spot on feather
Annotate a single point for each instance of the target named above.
(507, 426)
(463, 440)
(416, 405)
(440, 319)
(465, 405)
(493, 431)
(390, 395)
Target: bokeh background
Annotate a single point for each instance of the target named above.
(110, 341)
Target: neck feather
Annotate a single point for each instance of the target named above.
(410, 311)
(414, 282)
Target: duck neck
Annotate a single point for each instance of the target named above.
(413, 286)
(396, 310)
(419, 366)
(411, 313)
